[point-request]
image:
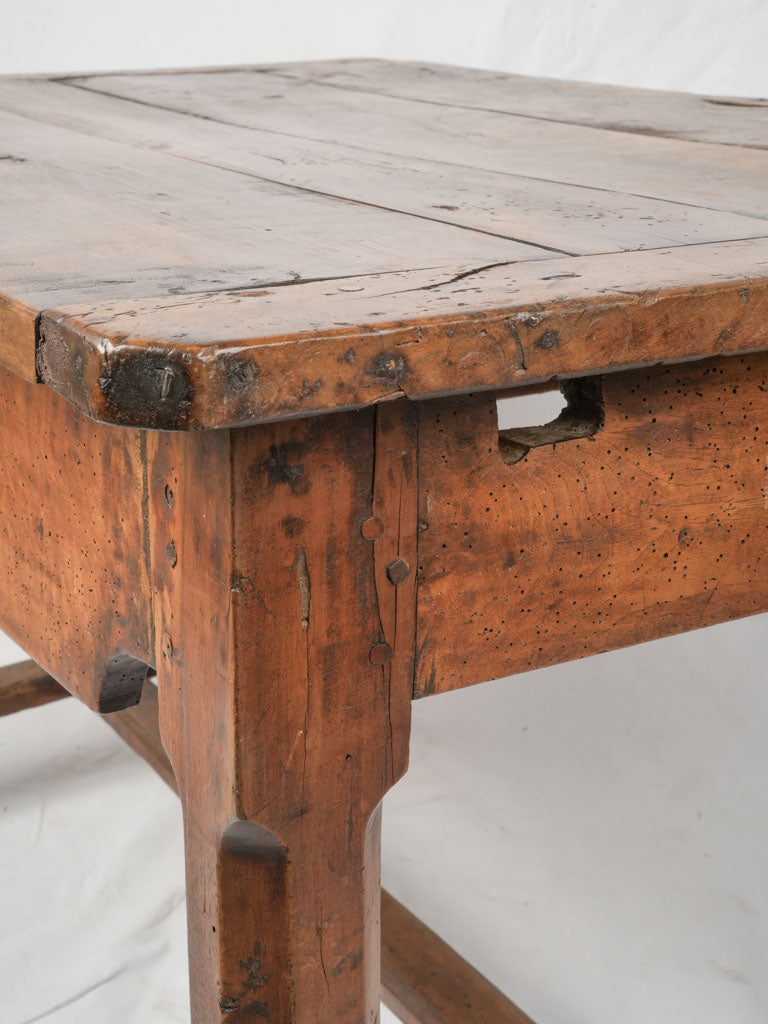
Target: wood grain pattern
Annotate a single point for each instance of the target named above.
(73, 558)
(424, 981)
(655, 525)
(568, 217)
(147, 223)
(681, 115)
(26, 685)
(278, 711)
(18, 324)
(302, 209)
(663, 168)
(392, 533)
(512, 325)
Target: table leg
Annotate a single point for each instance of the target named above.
(280, 709)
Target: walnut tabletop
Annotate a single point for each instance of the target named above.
(194, 249)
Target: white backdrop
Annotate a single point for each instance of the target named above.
(699, 45)
(593, 836)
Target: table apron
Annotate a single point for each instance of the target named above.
(74, 544)
(654, 525)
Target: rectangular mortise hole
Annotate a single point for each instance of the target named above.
(574, 410)
(530, 408)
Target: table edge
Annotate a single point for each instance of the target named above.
(171, 385)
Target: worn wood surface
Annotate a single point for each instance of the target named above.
(392, 534)
(280, 246)
(655, 525)
(280, 708)
(484, 138)
(26, 685)
(283, 591)
(725, 119)
(532, 322)
(255, 244)
(322, 148)
(73, 558)
(425, 981)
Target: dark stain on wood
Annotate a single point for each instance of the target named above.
(293, 525)
(122, 683)
(242, 373)
(549, 339)
(283, 471)
(155, 390)
(388, 366)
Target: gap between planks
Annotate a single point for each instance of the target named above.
(346, 145)
(286, 184)
(184, 105)
(424, 980)
(585, 123)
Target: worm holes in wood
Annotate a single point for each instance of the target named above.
(573, 409)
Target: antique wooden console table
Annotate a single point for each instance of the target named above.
(253, 328)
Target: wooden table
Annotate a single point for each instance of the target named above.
(253, 328)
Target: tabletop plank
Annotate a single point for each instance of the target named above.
(90, 217)
(562, 217)
(721, 177)
(250, 228)
(305, 348)
(739, 121)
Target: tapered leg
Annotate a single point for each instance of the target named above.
(284, 930)
(284, 654)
